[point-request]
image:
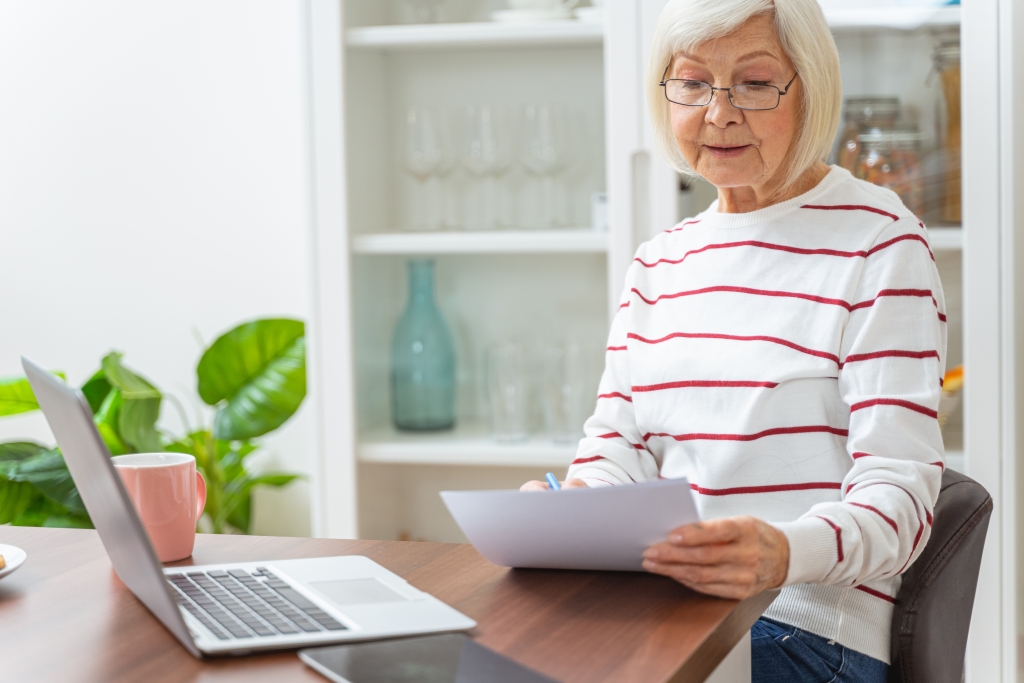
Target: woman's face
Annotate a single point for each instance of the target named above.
(732, 147)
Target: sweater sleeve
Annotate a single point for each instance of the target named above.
(893, 352)
(612, 450)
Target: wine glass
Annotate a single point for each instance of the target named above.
(544, 153)
(487, 154)
(428, 157)
(426, 11)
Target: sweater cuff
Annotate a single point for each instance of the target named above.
(595, 477)
(813, 549)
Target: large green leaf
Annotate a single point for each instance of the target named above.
(257, 373)
(15, 498)
(96, 390)
(140, 409)
(16, 396)
(48, 473)
(106, 419)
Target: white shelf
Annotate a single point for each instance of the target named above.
(465, 445)
(478, 34)
(583, 240)
(946, 239)
(900, 18)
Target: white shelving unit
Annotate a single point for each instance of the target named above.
(475, 35)
(946, 239)
(466, 445)
(365, 68)
(580, 241)
(898, 18)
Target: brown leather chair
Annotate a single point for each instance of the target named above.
(933, 607)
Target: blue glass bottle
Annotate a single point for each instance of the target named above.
(422, 359)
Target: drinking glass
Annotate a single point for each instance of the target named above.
(427, 11)
(566, 400)
(508, 390)
(544, 153)
(428, 158)
(486, 152)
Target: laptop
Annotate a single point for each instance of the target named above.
(236, 608)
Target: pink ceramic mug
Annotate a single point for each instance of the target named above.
(169, 495)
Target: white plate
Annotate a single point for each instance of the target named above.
(530, 14)
(15, 557)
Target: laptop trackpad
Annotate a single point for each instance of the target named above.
(357, 591)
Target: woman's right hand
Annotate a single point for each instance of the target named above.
(543, 485)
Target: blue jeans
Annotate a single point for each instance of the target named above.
(785, 654)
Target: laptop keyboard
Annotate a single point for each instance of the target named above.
(239, 604)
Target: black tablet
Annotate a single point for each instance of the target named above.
(448, 658)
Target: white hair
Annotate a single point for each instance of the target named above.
(807, 40)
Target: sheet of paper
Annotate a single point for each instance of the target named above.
(600, 528)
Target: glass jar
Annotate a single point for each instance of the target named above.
(947, 65)
(422, 359)
(861, 114)
(892, 159)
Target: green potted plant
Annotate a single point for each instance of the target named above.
(253, 375)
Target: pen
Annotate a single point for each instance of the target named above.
(552, 482)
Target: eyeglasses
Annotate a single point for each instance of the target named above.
(744, 96)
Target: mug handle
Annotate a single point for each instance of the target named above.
(200, 495)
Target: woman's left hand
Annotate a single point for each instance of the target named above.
(734, 557)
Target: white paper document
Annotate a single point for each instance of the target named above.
(599, 528)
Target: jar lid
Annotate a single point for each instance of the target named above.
(874, 105)
(877, 135)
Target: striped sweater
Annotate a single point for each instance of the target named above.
(788, 361)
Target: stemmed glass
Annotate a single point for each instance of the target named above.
(544, 153)
(428, 158)
(427, 11)
(487, 154)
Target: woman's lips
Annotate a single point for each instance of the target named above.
(726, 152)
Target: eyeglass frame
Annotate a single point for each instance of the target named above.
(665, 81)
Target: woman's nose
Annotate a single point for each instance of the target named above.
(721, 112)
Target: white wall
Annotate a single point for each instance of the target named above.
(153, 189)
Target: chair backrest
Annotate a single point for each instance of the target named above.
(934, 604)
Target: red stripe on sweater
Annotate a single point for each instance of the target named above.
(839, 537)
(773, 488)
(894, 353)
(616, 435)
(928, 516)
(733, 337)
(743, 290)
(916, 293)
(880, 596)
(889, 520)
(851, 207)
(615, 394)
(682, 226)
(703, 383)
(616, 348)
(917, 539)
(885, 245)
(792, 250)
(858, 454)
(940, 465)
(750, 437)
(625, 305)
(916, 407)
(581, 461)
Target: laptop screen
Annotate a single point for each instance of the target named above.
(105, 498)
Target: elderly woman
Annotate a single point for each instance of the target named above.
(783, 350)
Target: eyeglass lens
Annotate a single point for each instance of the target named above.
(697, 93)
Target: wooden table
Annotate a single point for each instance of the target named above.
(65, 616)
